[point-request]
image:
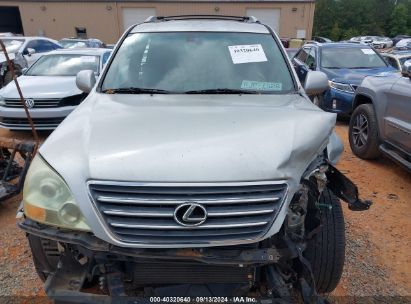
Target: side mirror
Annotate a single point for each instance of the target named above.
(406, 69)
(315, 83)
(85, 80)
(30, 51)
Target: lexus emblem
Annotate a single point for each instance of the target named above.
(29, 103)
(190, 214)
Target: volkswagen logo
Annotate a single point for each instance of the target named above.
(29, 103)
(190, 214)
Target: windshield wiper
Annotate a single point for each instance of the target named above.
(222, 91)
(132, 90)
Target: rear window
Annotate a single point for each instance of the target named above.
(350, 58)
(192, 61)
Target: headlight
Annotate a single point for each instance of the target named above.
(48, 200)
(341, 86)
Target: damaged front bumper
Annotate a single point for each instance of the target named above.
(208, 255)
(82, 256)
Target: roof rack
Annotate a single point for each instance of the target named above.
(249, 19)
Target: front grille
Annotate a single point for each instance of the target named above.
(24, 123)
(38, 103)
(144, 213)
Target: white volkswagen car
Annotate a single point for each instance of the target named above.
(49, 88)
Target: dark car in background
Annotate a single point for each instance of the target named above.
(381, 121)
(346, 65)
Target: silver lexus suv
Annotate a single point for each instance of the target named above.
(197, 167)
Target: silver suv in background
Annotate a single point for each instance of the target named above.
(49, 88)
(381, 121)
(197, 166)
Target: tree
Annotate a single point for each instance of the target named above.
(343, 19)
(399, 20)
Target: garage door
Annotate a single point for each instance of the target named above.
(10, 20)
(136, 15)
(271, 17)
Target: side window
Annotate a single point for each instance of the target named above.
(45, 46)
(32, 45)
(392, 62)
(105, 58)
(303, 54)
(311, 59)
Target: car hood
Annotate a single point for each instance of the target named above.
(354, 76)
(189, 138)
(42, 87)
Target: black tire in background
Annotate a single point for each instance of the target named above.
(326, 250)
(370, 149)
(45, 255)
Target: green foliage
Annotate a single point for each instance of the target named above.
(399, 22)
(343, 19)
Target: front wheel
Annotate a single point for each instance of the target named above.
(363, 132)
(326, 250)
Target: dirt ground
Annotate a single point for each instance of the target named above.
(378, 255)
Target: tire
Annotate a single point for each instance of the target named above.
(326, 250)
(45, 255)
(365, 146)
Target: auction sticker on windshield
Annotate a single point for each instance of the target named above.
(261, 86)
(247, 53)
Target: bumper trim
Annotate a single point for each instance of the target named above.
(212, 256)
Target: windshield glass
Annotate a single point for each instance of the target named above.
(72, 44)
(12, 45)
(63, 65)
(350, 58)
(191, 61)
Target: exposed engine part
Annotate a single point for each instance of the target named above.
(278, 288)
(297, 212)
(321, 177)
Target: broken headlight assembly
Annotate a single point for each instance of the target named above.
(47, 199)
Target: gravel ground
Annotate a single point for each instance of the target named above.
(378, 257)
